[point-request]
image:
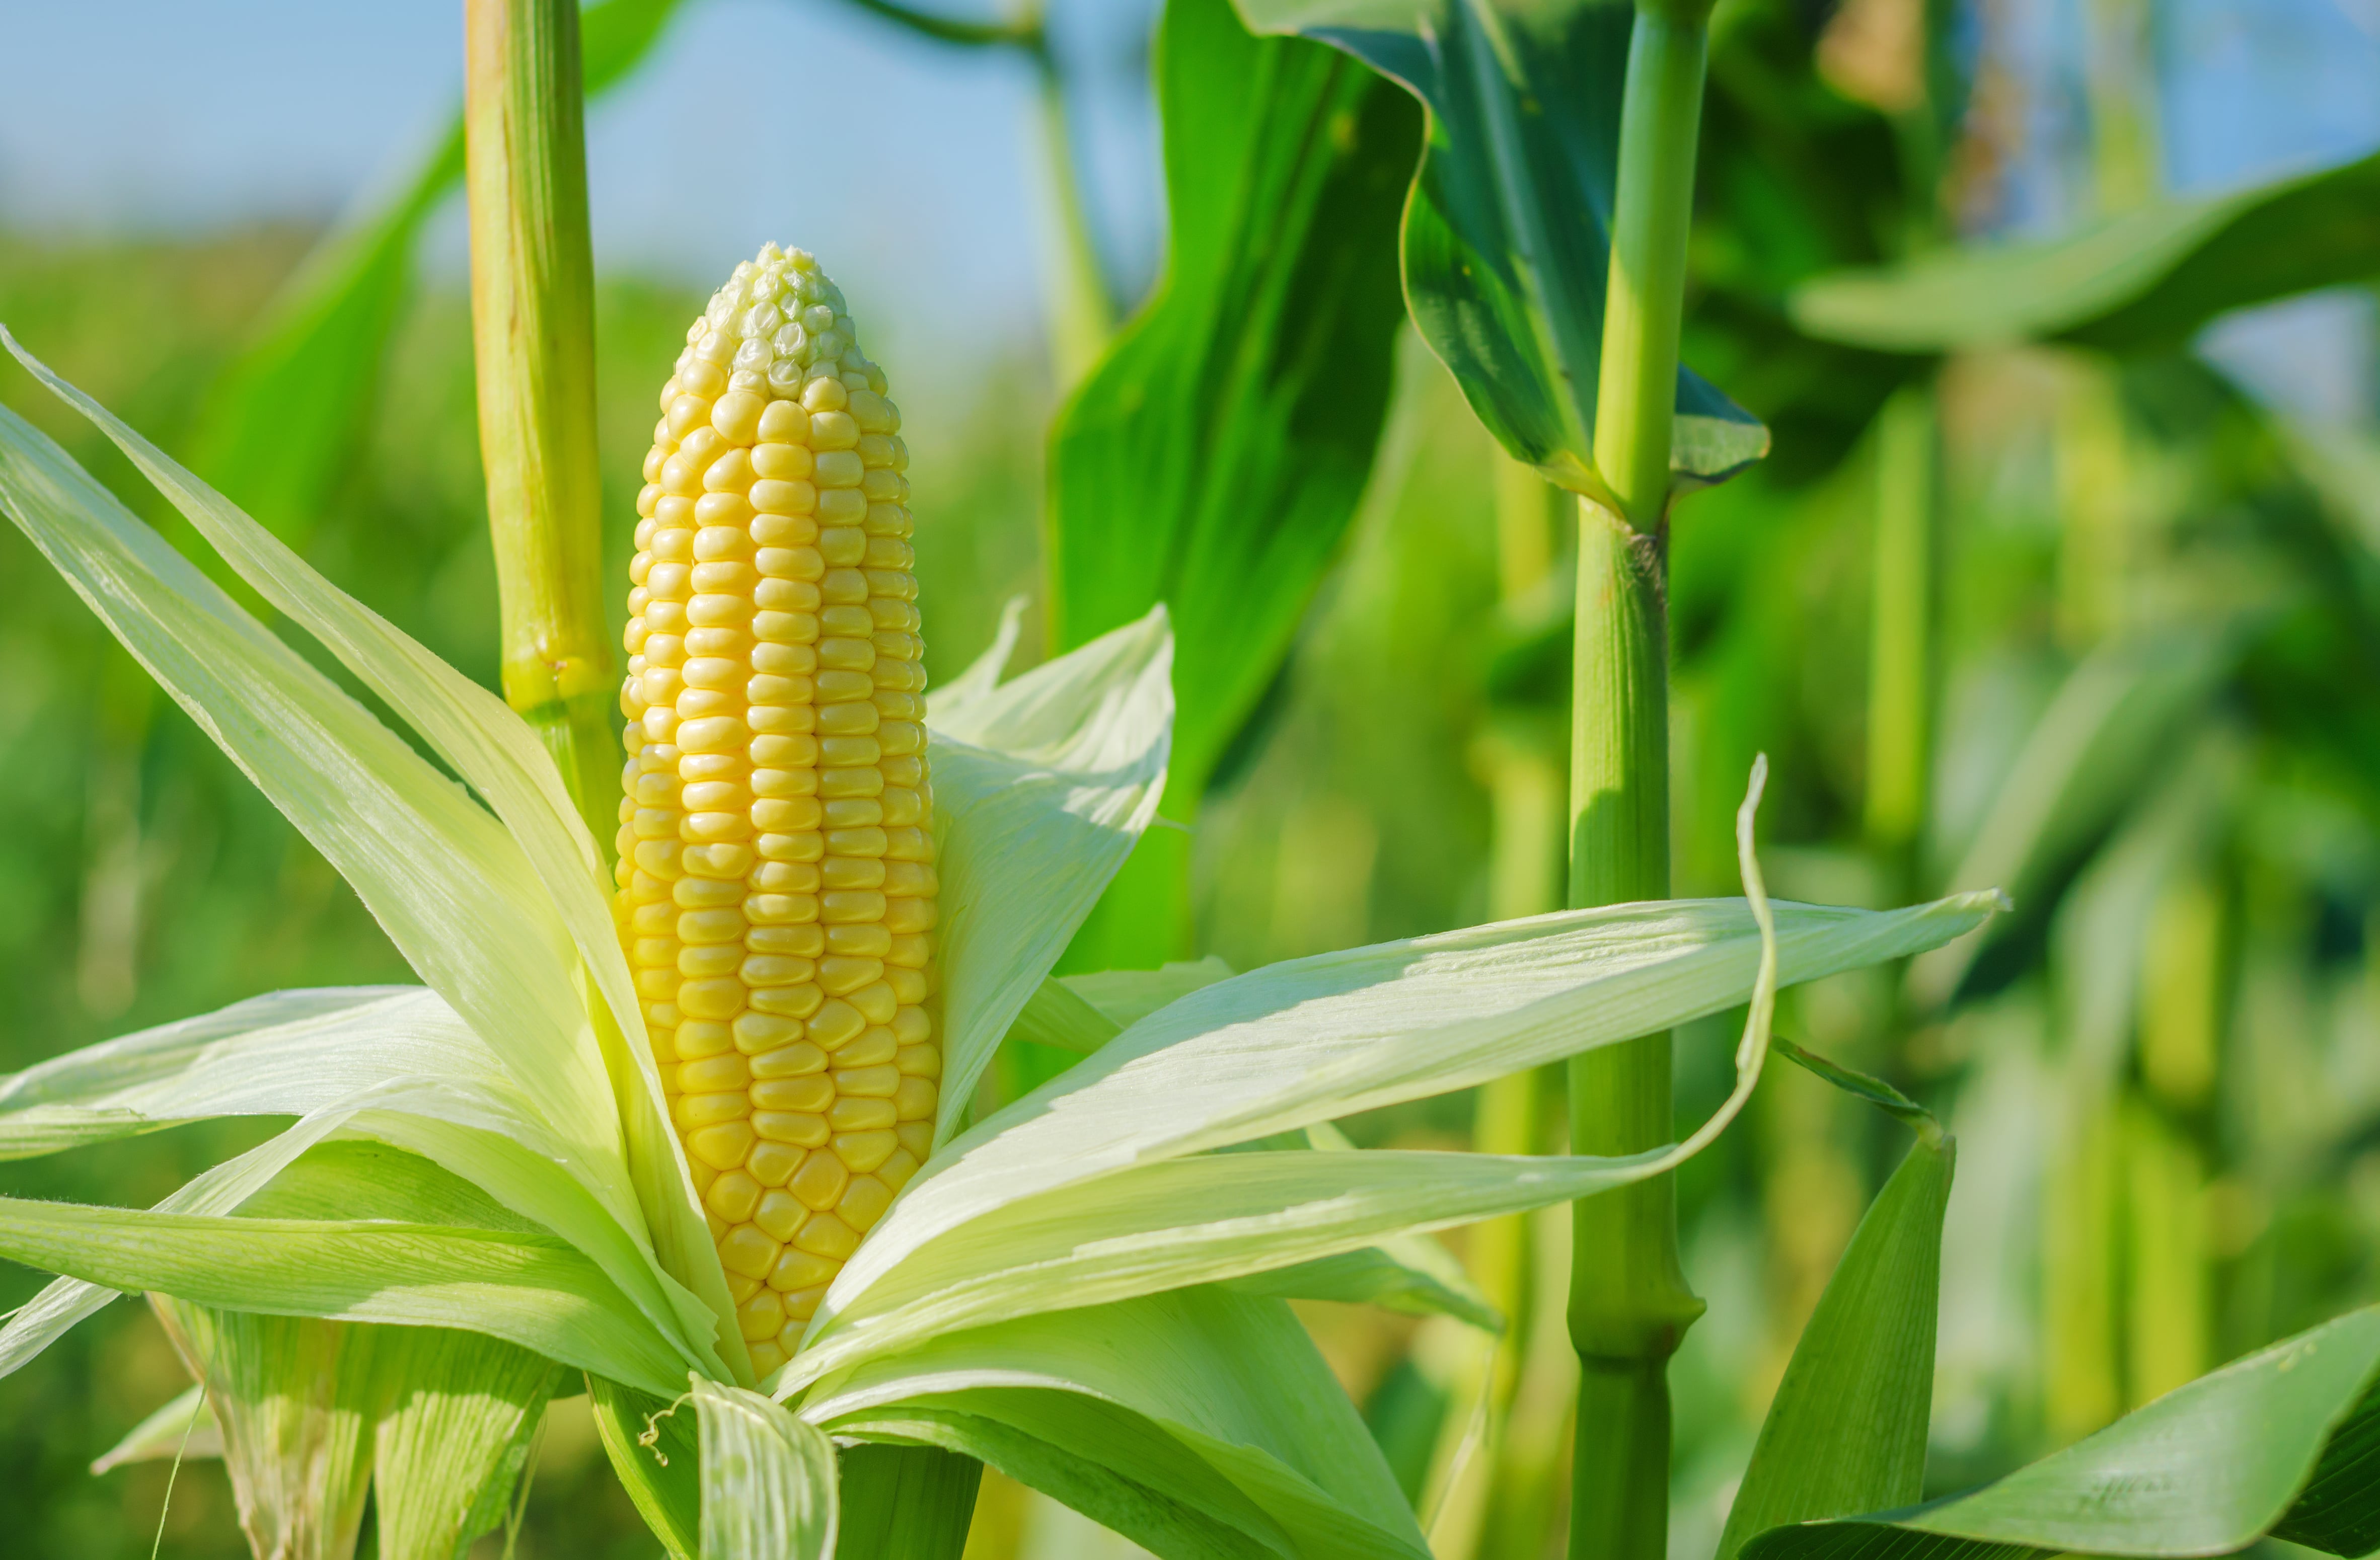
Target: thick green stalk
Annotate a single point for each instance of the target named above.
(533, 331)
(1644, 306)
(1629, 1302)
(1901, 639)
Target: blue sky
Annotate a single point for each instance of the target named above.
(915, 166)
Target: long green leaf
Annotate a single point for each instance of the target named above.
(2145, 278)
(656, 1451)
(184, 1428)
(1201, 1219)
(283, 426)
(1847, 1430)
(1214, 459)
(768, 1480)
(1318, 1038)
(1507, 236)
(1412, 1273)
(485, 1179)
(1072, 1220)
(532, 1290)
(646, 1187)
(2281, 1442)
(396, 1064)
(50, 1314)
(1080, 1014)
(458, 1414)
(1197, 1423)
(499, 755)
(2109, 726)
(453, 889)
(146, 1081)
(1046, 782)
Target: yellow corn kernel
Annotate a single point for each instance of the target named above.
(777, 886)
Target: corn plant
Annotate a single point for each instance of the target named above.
(526, 1184)
(700, 1123)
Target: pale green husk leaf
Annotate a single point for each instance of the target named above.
(768, 1480)
(1042, 787)
(1278, 1049)
(1197, 1422)
(184, 1428)
(294, 1398)
(496, 753)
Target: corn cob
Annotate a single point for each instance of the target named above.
(776, 873)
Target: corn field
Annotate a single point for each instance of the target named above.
(1511, 779)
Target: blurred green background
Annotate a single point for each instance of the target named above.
(2160, 669)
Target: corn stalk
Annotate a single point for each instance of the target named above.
(533, 332)
(1630, 1303)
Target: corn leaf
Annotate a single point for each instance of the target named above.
(453, 889)
(428, 1171)
(2144, 278)
(656, 1451)
(397, 1065)
(1318, 1038)
(136, 1083)
(1041, 785)
(1183, 1222)
(1125, 997)
(768, 1480)
(2105, 733)
(1410, 1274)
(900, 1499)
(1413, 1274)
(1846, 1432)
(1089, 1233)
(498, 755)
(530, 1289)
(281, 429)
(1197, 1423)
(1214, 458)
(1080, 1014)
(2280, 1443)
(1507, 236)
(295, 1399)
(457, 1415)
(50, 1314)
(184, 1428)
